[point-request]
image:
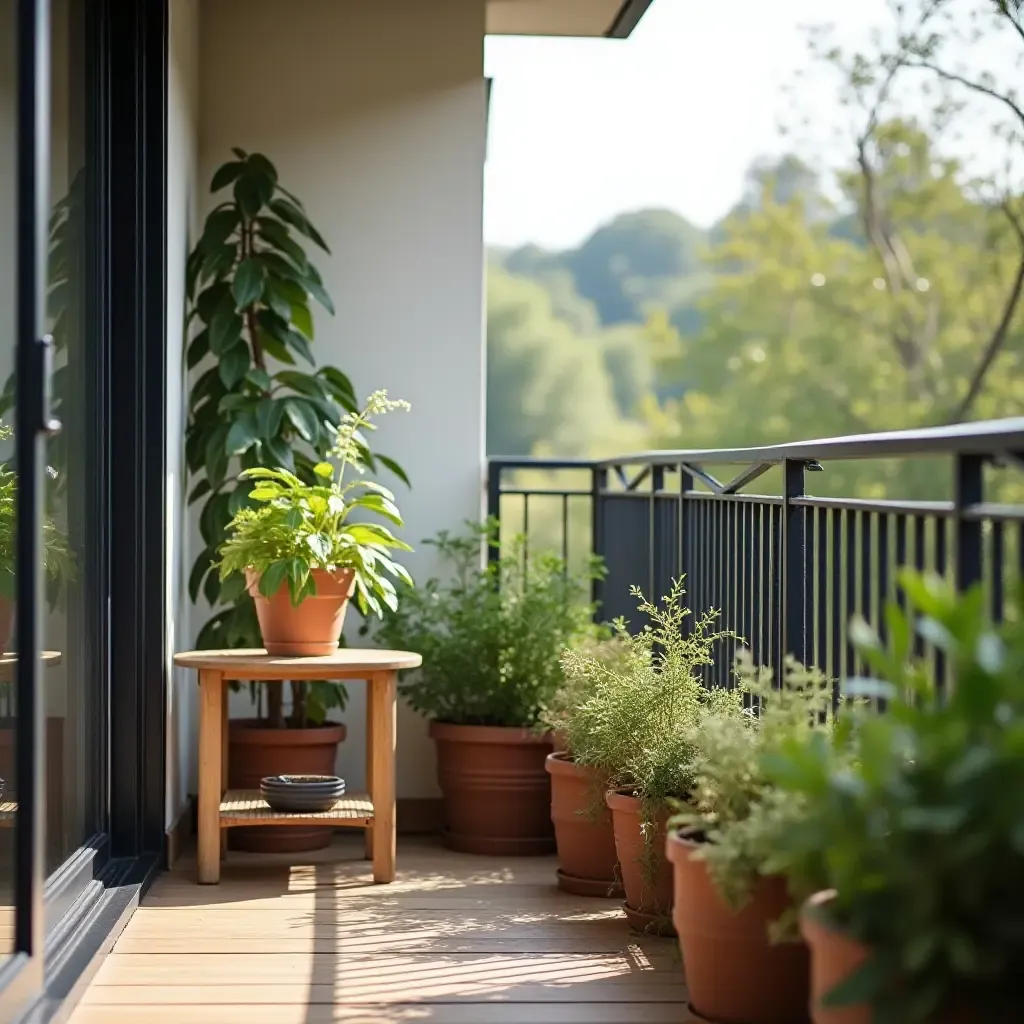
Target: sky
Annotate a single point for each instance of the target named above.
(581, 130)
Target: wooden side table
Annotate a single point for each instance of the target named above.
(220, 809)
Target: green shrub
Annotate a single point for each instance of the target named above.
(490, 636)
(915, 816)
(733, 806)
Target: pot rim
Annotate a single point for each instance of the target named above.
(816, 909)
(562, 763)
(344, 579)
(500, 735)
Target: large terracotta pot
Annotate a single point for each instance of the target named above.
(310, 629)
(734, 974)
(646, 872)
(256, 751)
(835, 956)
(588, 865)
(497, 797)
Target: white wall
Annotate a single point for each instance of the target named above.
(182, 218)
(374, 114)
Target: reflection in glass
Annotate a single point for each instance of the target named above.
(8, 481)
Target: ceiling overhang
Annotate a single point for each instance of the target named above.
(615, 19)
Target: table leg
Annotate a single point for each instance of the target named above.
(224, 690)
(383, 695)
(211, 706)
(368, 832)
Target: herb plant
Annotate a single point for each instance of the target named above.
(736, 812)
(297, 527)
(251, 286)
(915, 816)
(635, 727)
(490, 636)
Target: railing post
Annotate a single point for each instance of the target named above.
(654, 540)
(683, 568)
(793, 633)
(598, 484)
(494, 508)
(968, 490)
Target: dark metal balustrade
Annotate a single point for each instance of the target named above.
(787, 570)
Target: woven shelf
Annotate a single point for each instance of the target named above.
(247, 807)
(8, 813)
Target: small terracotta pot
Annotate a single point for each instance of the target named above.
(256, 751)
(646, 872)
(310, 629)
(497, 795)
(733, 973)
(835, 956)
(6, 623)
(587, 862)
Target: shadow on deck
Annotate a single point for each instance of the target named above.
(454, 940)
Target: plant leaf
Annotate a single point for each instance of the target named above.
(225, 175)
(242, 435)
(249, 282)
(234, 364)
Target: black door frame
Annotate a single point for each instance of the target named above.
(64, 924)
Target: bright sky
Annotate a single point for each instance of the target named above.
(582, 130)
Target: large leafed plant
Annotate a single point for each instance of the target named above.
(251, 286)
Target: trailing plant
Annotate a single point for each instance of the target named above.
(490, 636)
(736, 812)
(250, 286)
(635, 727)
(914, 816)
(297, 527)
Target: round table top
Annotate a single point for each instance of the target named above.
(257, 664)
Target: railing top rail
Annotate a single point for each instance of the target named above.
(989, 437)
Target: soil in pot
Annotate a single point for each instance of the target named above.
(733, 973)
(646, 872)
(496, 791)
(255, 752)
(310, 629)
(835, 956)
(588, 865)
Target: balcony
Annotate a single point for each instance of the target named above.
(454, 940)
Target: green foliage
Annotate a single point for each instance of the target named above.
(734, 808)
(915, 816)
(490, 637)
(297, 527)
(251, 286)
(57, 559)
(635, 727)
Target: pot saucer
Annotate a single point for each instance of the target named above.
(598, 887)
(648, 924)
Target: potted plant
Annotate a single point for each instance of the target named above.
(490, 639)
(633, 731)
(744, 959)
(587, 862)
(912, 830)
(300, 555)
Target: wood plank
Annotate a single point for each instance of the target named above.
(345, 663)
(394, 1013)
(247, 807)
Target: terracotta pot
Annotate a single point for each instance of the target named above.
(310, 629)
(733, 973)
(6, 623)
(835, 956)
(587, 862)
(256, 751)
(646, 872)
(497, 795)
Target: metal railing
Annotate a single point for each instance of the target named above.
(786, 570)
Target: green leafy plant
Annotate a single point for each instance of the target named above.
(736, 812)
(914, 816)
(635, 725)
(490, 636)
(251, 286)
(297, 527)
(57, 558)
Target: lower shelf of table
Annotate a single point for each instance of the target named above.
(247, 807)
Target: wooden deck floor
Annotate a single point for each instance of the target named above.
(454, 940)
